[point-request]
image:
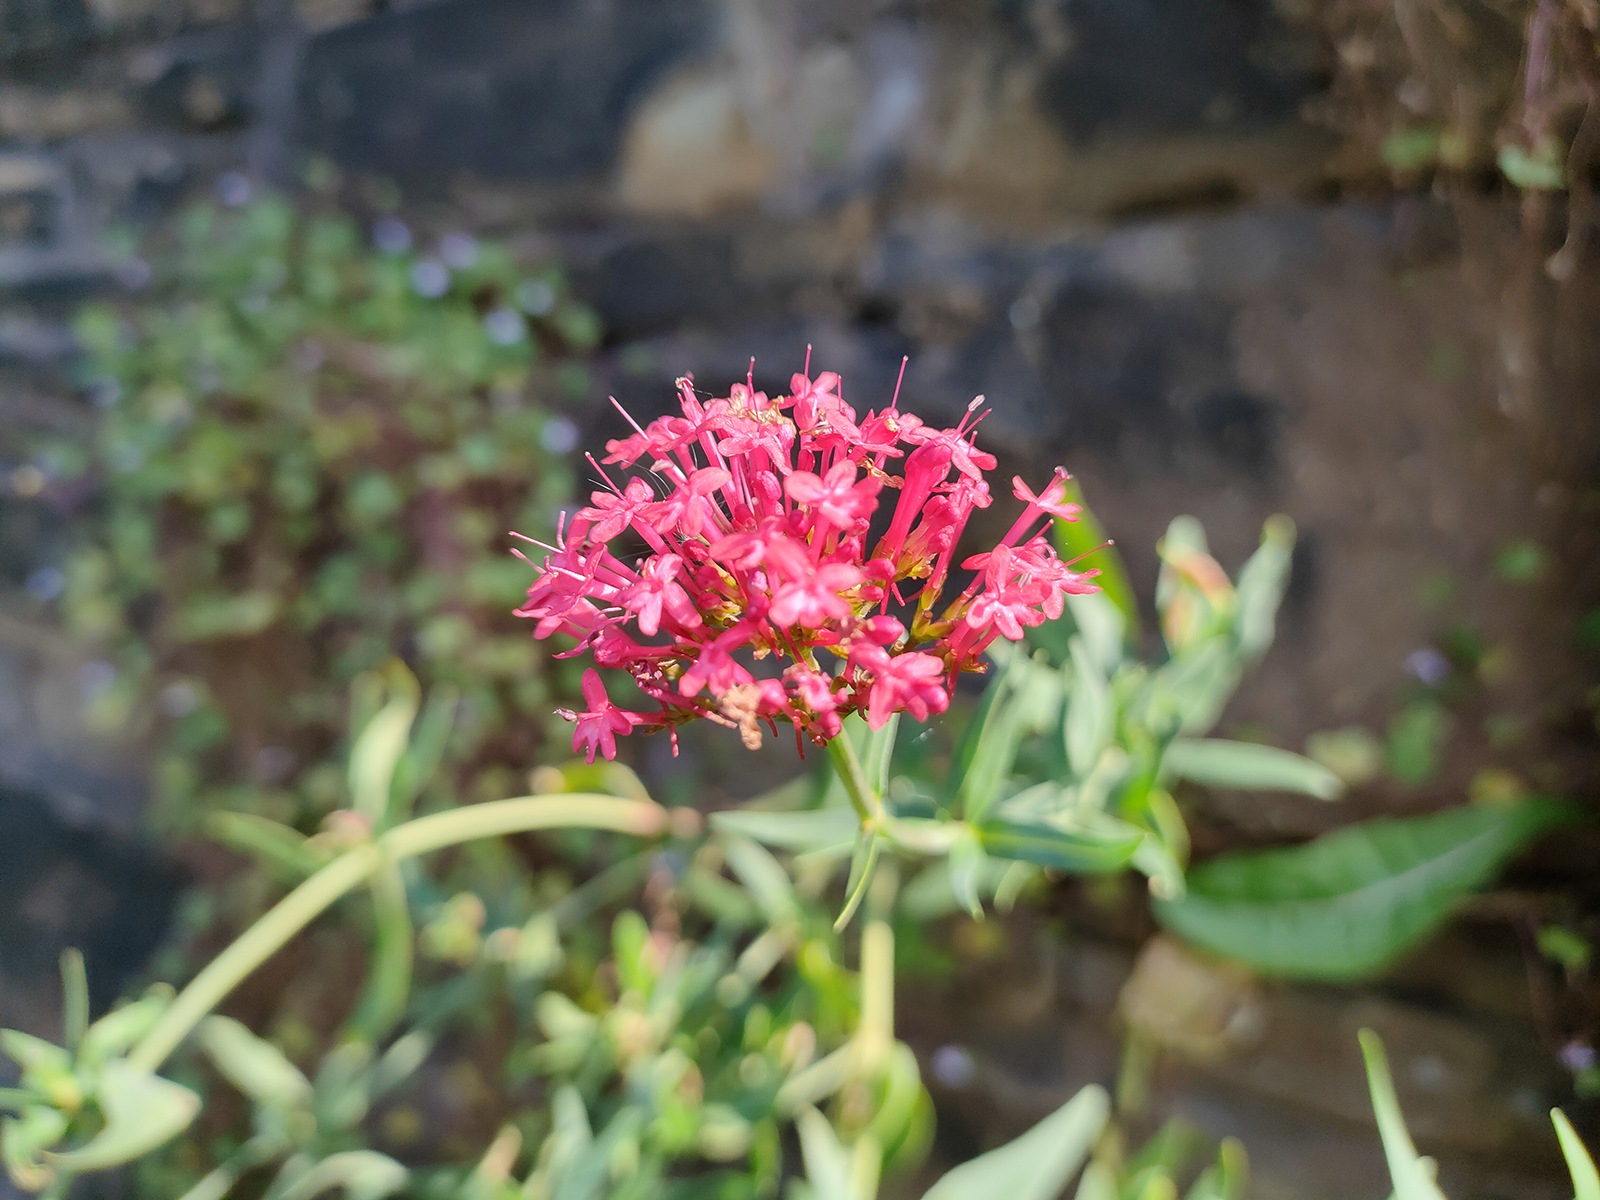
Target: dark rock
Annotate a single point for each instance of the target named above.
(534, 89)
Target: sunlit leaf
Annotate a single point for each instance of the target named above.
(253, 1065)
(1037, 1165)
(1214, 762)
(142, 1111)
(812, 829)
(1262, 582)
(380, 744)
(1412, 1179)
(267, 840)
(1585, 1179)
(1108, 845)
(1090, 716)
(363, 1174)
(1347, 904)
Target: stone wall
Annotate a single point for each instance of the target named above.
(1108, 216)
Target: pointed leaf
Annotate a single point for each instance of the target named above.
(1345, 905)
(379, 746)
(142, 1111)
(1037, 1165)
(1412, 1180)
(267, 840)
(1215, 762)
(967, 862)
(863, 863)
(764, 877)
(827, 1162)
(363, 1174)
(813, 829)
(1262, 582)
(1585, 1179)
(1090, 717)
(252, 1064)
(1092, 850)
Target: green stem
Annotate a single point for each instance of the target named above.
(300, 907)
(867, 805)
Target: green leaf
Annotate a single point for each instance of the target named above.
(1415, 737)
(1412, 1179)
(1540, 171)
(1228, 1178)
(1585, 1179)
(1262, 582)
(967, 862)
(388, 987)
(142, 1111)
(74, 997)
(813, 829)
(827, 1162)
(120, 1028)
(208, 618)
(1213, 762)
(263, 838)
(380, 744)
(1026, 698)
(425, 752)
(1036, 1165)
(1090, 717)
(863, 863)
(876, 750)
(765, 879)
(363, 1174)
(253, 1065)
(1091, 849)
(1345, 905)
(24, 1138)
(1085, 539)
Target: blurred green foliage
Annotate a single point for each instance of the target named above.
(309, 457)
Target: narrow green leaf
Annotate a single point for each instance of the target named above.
(363, 1174)
(1411, 1178)
(967, 862)
(1345, 905)
(1214, 762)
(378, 748)
(1090, 717)
(1227, 1178)
(270, 841)
(423, 755)
(142, 1111)
(862, 865)
(765, 879)
(120, 1028)
(1036, 1165)
(1099, 1182)
(1262, 582)
(1585, 1179)
(388, 986)
(1106, 846)
(1085, 539)
(74, 997)
(1027, 699)
(813, 829)
(827, 1162)
(252, 1064)
(876, 750)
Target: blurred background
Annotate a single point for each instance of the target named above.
(1328, 258)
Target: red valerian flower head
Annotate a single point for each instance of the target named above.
(755, 533)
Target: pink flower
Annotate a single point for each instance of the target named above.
(758, 553)
(598, 727)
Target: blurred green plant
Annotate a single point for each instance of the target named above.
(308, 456)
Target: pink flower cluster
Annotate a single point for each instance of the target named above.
(754, 525)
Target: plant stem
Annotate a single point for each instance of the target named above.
(300, 907)
(867, 805)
